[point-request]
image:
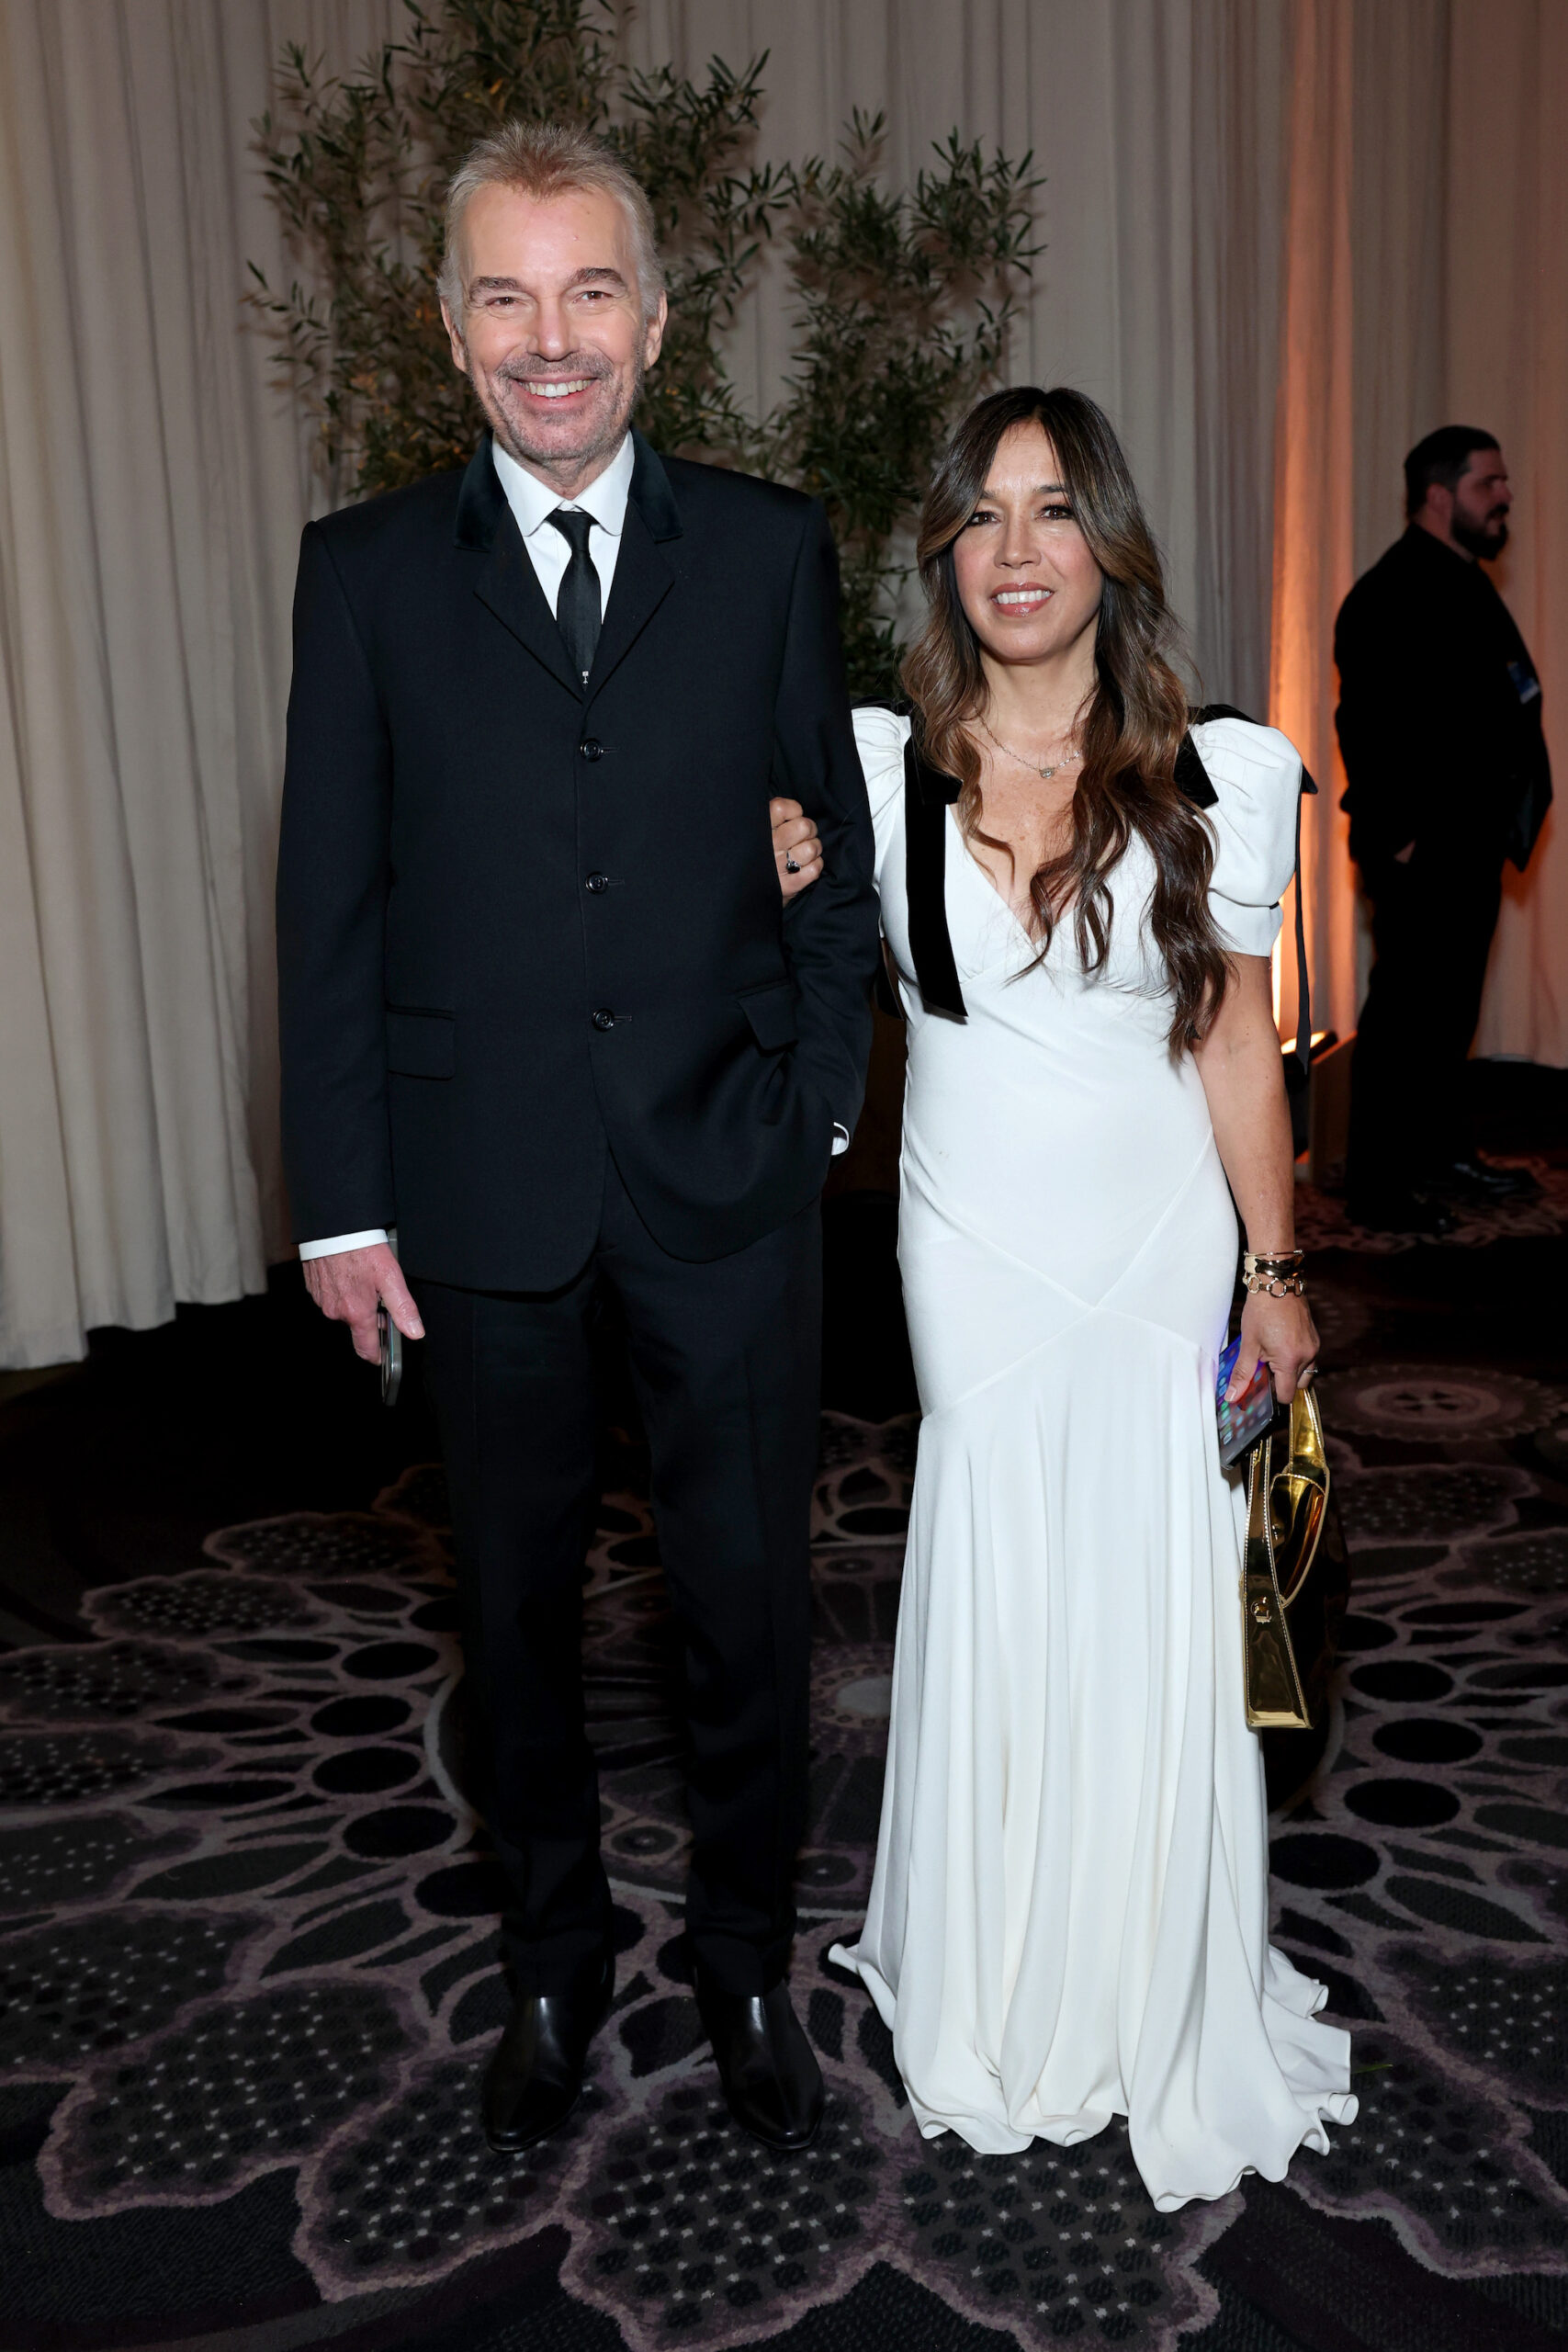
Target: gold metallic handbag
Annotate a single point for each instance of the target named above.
(1295, 1573)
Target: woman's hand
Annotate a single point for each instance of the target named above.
(1281, 1331)
(797, 852)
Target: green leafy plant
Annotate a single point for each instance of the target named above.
(903, 306)
(902, 300)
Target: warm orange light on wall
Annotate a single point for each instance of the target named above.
(1314, 474)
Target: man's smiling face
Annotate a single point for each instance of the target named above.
(553, 334)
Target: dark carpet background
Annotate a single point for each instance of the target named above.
(247, 1951)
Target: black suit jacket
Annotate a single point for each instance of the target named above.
(1435, 735)
(519, 923)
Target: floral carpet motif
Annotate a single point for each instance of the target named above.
(247, 1921)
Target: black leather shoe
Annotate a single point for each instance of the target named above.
(1399, 1213)
(772, 2084)
(534, 2078)
(1483, 1182)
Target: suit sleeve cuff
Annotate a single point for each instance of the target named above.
(339, 1241)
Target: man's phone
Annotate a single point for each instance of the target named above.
(1245, 1421)
(392, 1355)
(391, 1340)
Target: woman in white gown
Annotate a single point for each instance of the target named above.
(1069, 1919)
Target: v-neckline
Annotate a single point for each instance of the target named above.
(988, 883)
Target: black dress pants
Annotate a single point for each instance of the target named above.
(725, 1359)
(1432, 925)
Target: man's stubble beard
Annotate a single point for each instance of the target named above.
(603, 440)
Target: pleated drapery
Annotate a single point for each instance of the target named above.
(153, 485)
(1427, 259)
(1506, 314)
(1282, 239)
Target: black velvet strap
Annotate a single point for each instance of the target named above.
(1192, 776)
(928, 797)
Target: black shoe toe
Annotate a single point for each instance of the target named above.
(534, 2077)
(517, 2116)
(1480, 1182)
(772, 2084)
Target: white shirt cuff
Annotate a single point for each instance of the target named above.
(840, 1143)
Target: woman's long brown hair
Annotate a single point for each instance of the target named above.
(1136, 717)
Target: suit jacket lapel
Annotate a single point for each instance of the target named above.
(644, 574)
(507, 582)
(510, 587)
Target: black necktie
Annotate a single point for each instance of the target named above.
(577, 606)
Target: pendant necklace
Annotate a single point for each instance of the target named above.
(1069, 759)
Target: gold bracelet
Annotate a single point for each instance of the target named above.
(1272, 1283)
(1276, 1273)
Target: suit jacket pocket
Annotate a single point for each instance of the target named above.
(771, 1012)
(420, 1044)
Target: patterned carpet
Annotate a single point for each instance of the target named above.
(248, 1977)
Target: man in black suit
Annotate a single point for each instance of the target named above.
(1439, 725)
(543, 1011)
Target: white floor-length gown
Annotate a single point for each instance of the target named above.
(1068, 1919)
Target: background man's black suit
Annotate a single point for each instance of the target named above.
(1439, 726)
(542, 1010)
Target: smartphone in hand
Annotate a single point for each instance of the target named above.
(392, 1355)
(1245, 1421)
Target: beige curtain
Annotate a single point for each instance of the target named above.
(1312, 488)
(152, 485)
(1426, 182)
(1157, 126)
(1282, 237)
(1506, 347)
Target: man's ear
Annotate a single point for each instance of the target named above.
(1440, 505)
(460, 355)
(654, 331)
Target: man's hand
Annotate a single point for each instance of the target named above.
(351, 1284)
(797, 852)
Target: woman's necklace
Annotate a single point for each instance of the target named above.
(1070, 759)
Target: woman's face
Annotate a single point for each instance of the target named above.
(1025, 576)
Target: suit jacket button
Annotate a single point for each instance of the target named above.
(592, 749)
(604, 1018)
(597, 882)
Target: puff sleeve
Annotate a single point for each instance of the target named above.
(1257, 775)
(880, 738)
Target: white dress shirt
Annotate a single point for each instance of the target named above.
(533, 502)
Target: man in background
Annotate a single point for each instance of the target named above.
(1439, 726)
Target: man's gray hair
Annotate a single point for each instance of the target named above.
(546, 159)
